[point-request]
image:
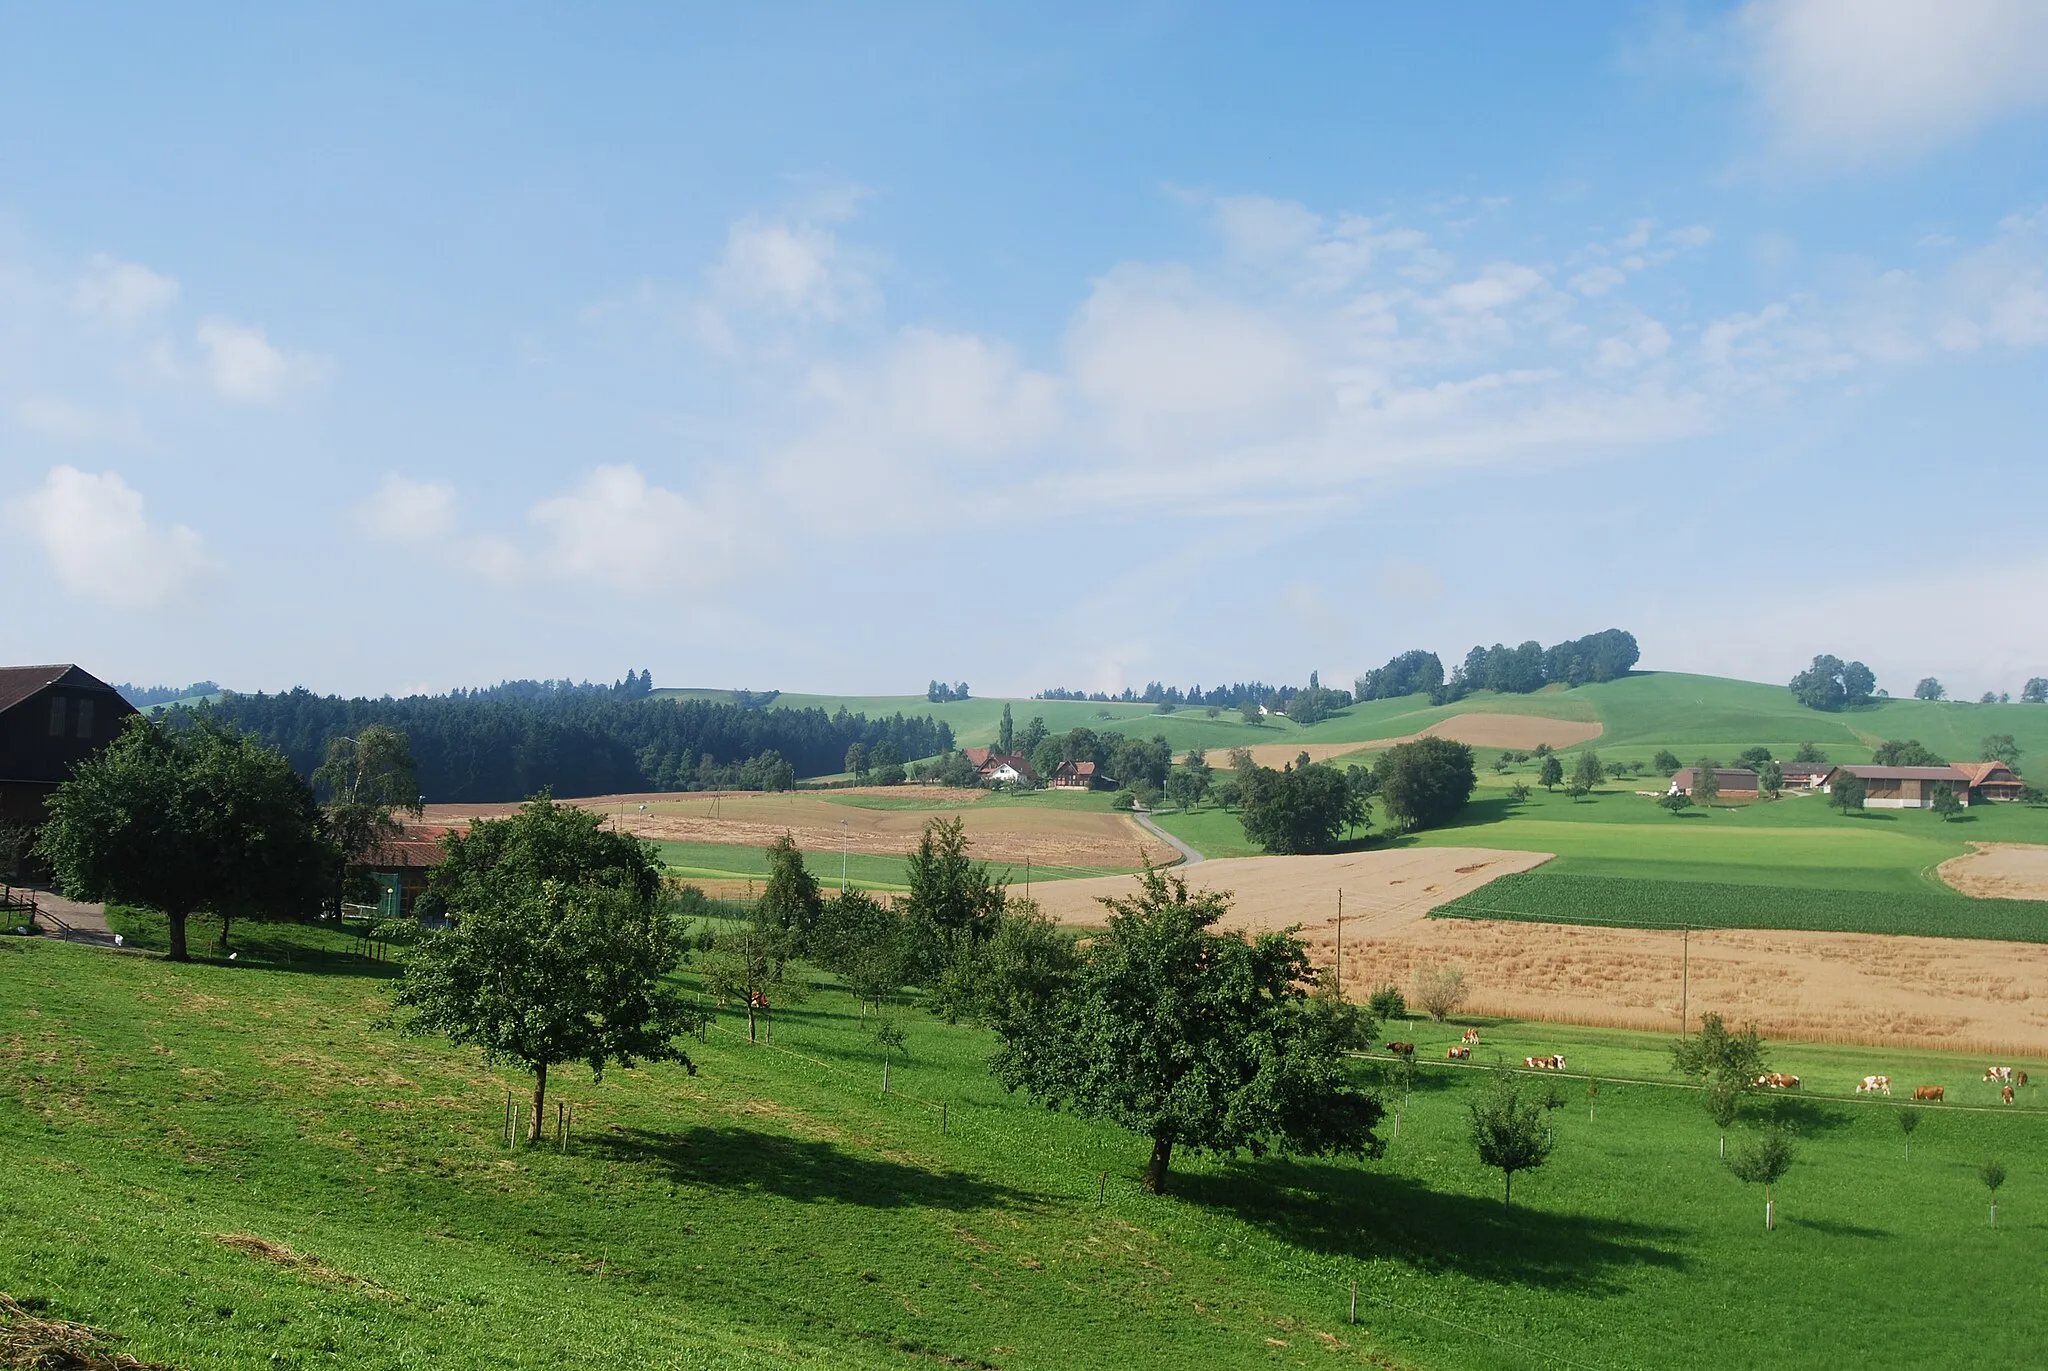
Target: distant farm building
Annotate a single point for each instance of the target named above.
(1000, 769)
(401, 867)
(1081, 776)
(1803, 775)
(1991, 781)
(1737, 782)
(1902, 787)
(51, 719)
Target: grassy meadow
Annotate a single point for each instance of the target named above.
(776, 1209)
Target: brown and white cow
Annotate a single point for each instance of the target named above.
(1401, 1049)
(1874, 1085)
(1777, 1080)
(1471, 1035)
(1457, 1054)
(1928, 1092)
(1998, 1073)
(2005, 1093)
(1551, 1063)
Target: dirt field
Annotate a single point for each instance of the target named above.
(1480, 730)
(1051, 835)
(1948, 993)
(2000, 871)
(1382, 890)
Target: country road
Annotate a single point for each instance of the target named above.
(1188, 856)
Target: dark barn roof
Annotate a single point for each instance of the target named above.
(18, 683)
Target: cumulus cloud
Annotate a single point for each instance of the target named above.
(619, 531)
(1866, 80)
(97, 536)
(777, 280)
(240, 362)
(122, 294)
(403, 510)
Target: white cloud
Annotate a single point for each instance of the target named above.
(241, 364)
(1598, 280)
(1161, 355)
(776, 279)
(1869, 80)
(619, 531)
(122, 294)
(403, 510)
(99, 541)
(1499, 285)
(53, 416)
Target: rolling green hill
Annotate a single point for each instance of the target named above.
(241, 1166)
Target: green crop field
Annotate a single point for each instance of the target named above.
(1544, 896)
(777, 1210)
(869, 871)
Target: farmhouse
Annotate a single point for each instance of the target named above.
(1737, 782)
(1000, 769)
(1902, 787)
(1803, 775)
(1990, 781)
(1081, 776)
(51, 719)
(401, 865)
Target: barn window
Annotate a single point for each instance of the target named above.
(85, 718)
(56, 716)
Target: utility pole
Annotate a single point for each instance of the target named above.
(1684, 975)
(842, 856)
(1340, 942)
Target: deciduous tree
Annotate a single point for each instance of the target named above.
(1426, 782)
(2000, 747)
(1847, 792)
(546, 972)
(1440, 990)
(1300, 809)
(1764, 1162)
(1587, 771)
(1508, 1131)
(1190, 1038)
(181, 820)
(1930, 689)
(1551, 773)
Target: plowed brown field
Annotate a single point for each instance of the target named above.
(1051, 834)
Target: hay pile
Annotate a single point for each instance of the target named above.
(29, 1342)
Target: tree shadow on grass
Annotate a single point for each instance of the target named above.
(1342, 1211)
(1834, 1229)
(1808, 1117)
(809, 1171)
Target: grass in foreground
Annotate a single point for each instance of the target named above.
(185, 1141)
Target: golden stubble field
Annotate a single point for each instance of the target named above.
(1051, 833)
(1946, 993)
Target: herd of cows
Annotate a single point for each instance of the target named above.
(2005, 1077)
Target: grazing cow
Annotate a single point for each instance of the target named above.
(1777, 1080)
(2005, 1093)
(1457, 1054)
(2019, 1078)
(1401, 1049)
(1471, 1035)
(1928, 1092)
(1998, 1073)
(1875, 1085)
(1551, 1063)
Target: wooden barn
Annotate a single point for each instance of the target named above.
(51, 719)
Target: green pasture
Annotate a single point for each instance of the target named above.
(868, 871)
(778, 1210)
(1693, 716)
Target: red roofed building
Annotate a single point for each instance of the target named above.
(1991, 780)
(1081, 776)
(402, 865)
(1902, 787)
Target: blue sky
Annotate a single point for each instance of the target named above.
(837, 348)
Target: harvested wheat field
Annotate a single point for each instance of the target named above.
(1050, 833)
(1479, 730)
(1947, 993)
(1382, 889)
(2000, 871)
